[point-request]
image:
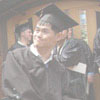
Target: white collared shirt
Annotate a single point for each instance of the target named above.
(35, 52)
(19, 42)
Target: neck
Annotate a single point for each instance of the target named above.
(24, 42)
(45, 53)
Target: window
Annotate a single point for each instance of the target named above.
(83, 25)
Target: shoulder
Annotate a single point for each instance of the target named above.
(72, 44)
(84, 44)
(15, 46)
(12, 47)
(21, 52)
(74, 41)
(20, 55)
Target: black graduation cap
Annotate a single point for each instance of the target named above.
(53, 15)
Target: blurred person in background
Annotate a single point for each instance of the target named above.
(72, 52)
(96, 51)
(23, 33)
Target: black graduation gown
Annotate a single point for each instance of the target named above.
(96, 50)
(26, 76)
(87, 54)
(16, 46)
(73, 52)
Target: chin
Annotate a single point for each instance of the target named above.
(37, 45)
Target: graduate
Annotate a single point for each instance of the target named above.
(32, 73)
(23, 34)
(96, 52)
(77, 57)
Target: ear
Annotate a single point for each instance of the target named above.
(61, 35)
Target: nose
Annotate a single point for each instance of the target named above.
(39, 34)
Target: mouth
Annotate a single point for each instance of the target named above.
(38, 39)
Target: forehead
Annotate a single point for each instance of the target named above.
(43, 25)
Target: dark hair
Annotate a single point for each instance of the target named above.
(54, 28)
(19, 29)
(24, 28)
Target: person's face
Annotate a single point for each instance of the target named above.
(44, 36)
(27, 34)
